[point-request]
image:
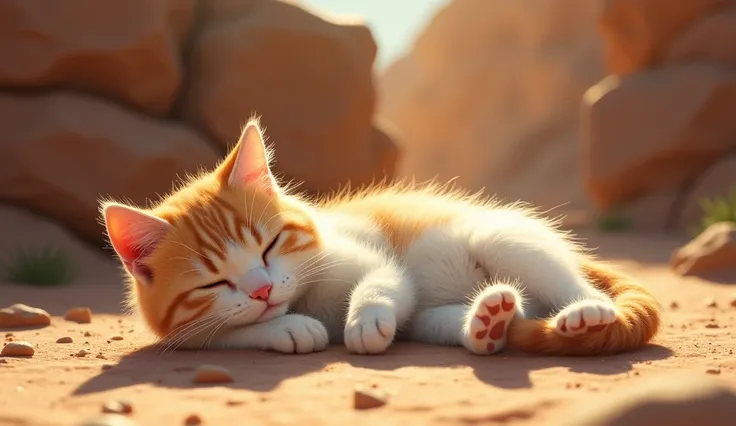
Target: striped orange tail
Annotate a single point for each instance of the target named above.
(637, 323)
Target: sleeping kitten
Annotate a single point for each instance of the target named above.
(233, 260)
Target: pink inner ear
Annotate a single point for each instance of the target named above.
(133, 233)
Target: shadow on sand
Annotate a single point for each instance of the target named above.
(263, 371)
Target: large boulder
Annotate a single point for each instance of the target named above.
(656, 130)
(127, 50)
(310, 79)
(709, 39)
(60, 153)
(489, 94)
(712, 250)
(638, 33)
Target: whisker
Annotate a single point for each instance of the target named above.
(208, 340)
(196, 327)
(264, 209)
(272, 218)
(192, 250)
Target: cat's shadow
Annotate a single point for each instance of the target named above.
(263, 371)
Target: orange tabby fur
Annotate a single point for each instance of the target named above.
(204, 214)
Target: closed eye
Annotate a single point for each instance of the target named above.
(270, 247)
(217, 284)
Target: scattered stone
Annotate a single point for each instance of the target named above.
(714, 370)
(711, 303)
(82, 315)
(3, 361)
(117, 407)
(20, 315)
(365, 398)
(81, 354)
(676, 399)
(101, 356)
(714, 249)
(193, 420)
(18, 348)
(674, 304)
(712, 325)
(8, 334)
(733, 301)
(65, 339)
(87, 334)
(234, 402)
(212, 374)
(116, 338)
(109, 420)
(107, 367)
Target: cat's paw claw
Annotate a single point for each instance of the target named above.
(489, 320)
(371, 330)
(297, 334)
(586, 316)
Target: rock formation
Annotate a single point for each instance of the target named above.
(658, 133)
(117, 101)
(490, 94)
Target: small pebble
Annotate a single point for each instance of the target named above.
(733, 301)
(712, 325)
(81, 315)
(711, 303)
(20, 315)
(87, 334)
(674, 304)
(81, 354)
(212, 374)
(65, 339)
(100, 356)
(8, 334)
(3, 361)
(18, 348)
(714, 370)
(116, 338)
(193, 420)
(106, 366)
(366, 398)
(117, 407)
(234, 402)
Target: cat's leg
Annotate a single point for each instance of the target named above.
(545, 263)
(382, 301)
(286, 334)
(481, 327)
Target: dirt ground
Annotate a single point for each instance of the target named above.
(427, 385)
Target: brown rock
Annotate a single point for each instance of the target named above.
(733, 301)
(499, 115)
(82, 315)
(673, 120)
(87, 334)
(82, 353)
(117, 407)
(136, 157)
(706, 40)
(714, 183)
(206, 374)
(714, 249)
(711, 303)
(637, 33)
(674, 304)
(315, 97)
(129, 51)
(366, 398)
(109, 420)
(713, 370)
(116, 338)
(65, 339)
(678, 400)
(193, 420)
(18, 348)
(20, 315)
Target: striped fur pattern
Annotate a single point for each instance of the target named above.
(233, 260)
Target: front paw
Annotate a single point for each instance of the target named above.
(370, 330)
(296, 334)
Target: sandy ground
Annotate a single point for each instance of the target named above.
(427, 385)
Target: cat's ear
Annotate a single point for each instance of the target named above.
(248, 163)
(134, 234)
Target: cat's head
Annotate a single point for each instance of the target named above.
(228, 248)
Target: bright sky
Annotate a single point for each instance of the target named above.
(394, 23)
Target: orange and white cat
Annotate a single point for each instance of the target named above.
(233, 260)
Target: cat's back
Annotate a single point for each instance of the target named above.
(402, 212)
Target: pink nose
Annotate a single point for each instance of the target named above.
(261, 293)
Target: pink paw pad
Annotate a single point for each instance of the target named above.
(490, 321)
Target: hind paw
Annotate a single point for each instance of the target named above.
(489, 319)
(586, 316)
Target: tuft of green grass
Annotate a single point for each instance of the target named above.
(612, 222)
(717, 209)
(41, 267)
